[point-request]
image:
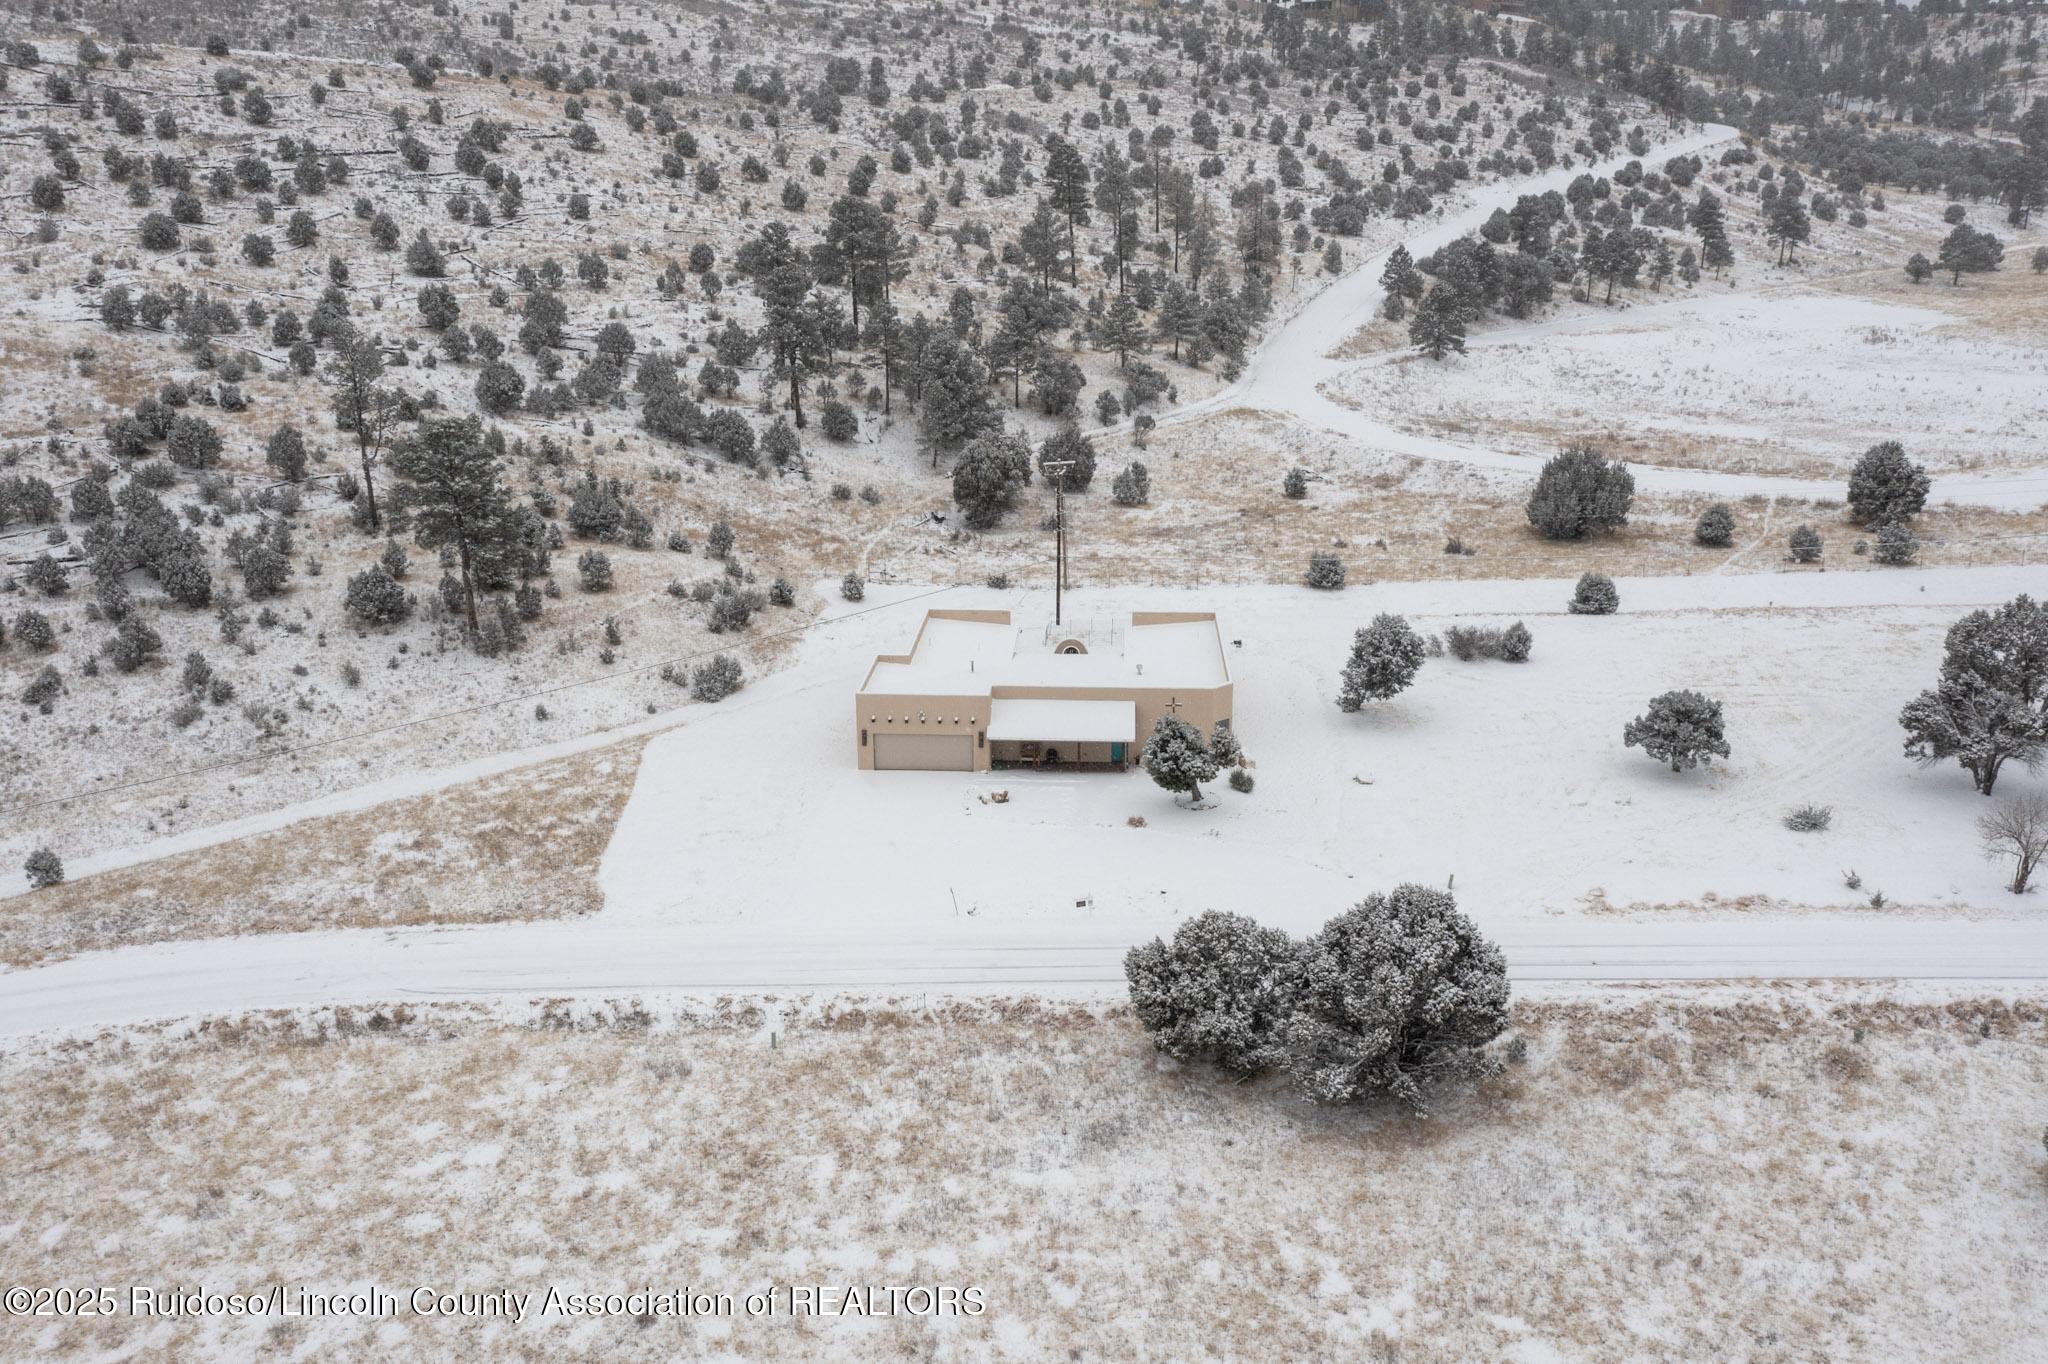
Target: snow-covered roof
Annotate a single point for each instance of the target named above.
(1114, 722)
(956, 657)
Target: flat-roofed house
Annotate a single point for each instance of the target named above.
(978, 692)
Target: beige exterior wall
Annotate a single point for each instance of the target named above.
(882, 713)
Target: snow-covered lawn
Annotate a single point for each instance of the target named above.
(1511, 778)
(752, 854)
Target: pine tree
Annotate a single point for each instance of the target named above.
(1122, 331)
(1066, 176)
(1580, 491)
(456, 498)
(1438, 327)
(1787, 225)
(1886, 486)
(988, 476)
(1710, 221)
(1401, 283)
(1180, 316)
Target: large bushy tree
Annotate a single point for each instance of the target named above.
(1177, 759)
(1886, 486)
(1395, 994)
(1579, 491)
(1218, 991)
(1990, 706)
(1385, 657)
(1681, 727)
(988, 476)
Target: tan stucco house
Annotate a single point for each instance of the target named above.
(977, 692)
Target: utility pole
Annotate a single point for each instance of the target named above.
(1057, 469)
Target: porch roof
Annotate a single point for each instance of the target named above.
(1070, 721)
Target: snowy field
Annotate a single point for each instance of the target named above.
(752, 854)
(1777, 1175)
(1512, 779)
(1792, 381)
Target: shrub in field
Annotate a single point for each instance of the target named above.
(44, 869)
(1804, 545)
(716, 678)
(1809, 819)
(1897, 546)
(1886, 486)
(1580, 491)
(1594, 596)
(1467, 642)
(1325, 571)
(1716, 527)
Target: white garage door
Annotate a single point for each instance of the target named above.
(924, 752)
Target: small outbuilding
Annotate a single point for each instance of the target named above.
(977, 692)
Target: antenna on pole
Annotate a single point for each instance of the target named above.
(1057, 469)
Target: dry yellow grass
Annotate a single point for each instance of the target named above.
(1218, 516)
(1784, 1175)
(521, 845)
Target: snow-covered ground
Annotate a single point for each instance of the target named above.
(1770, 382)
(752, 854)
(1293, 372)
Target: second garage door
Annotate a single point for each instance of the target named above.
(924, 752)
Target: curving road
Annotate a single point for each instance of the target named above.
(1288, 372)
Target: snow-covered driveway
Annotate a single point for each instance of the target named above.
(1293, 370)
(753, 857)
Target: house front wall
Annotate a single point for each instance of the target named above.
(875, 715)
(878, 714)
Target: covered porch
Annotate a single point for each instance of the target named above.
(1087, 736)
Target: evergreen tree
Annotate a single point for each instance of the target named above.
(988, 476)
(1886, 486)
(1580, 491)
(1068, 445)
(1398, 993)
(361, 406)
(954, 389)
(1066, 177)
(1218, 991)
(1180, 317)
(1786, 224)
(1176, 758)
(1710, 221)
(1682, 728)
(1990, 704)
(1438, 327)
(1401, 283)
(453, 490)
(1968, 251)
(1122, 331)
(1385, 656)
